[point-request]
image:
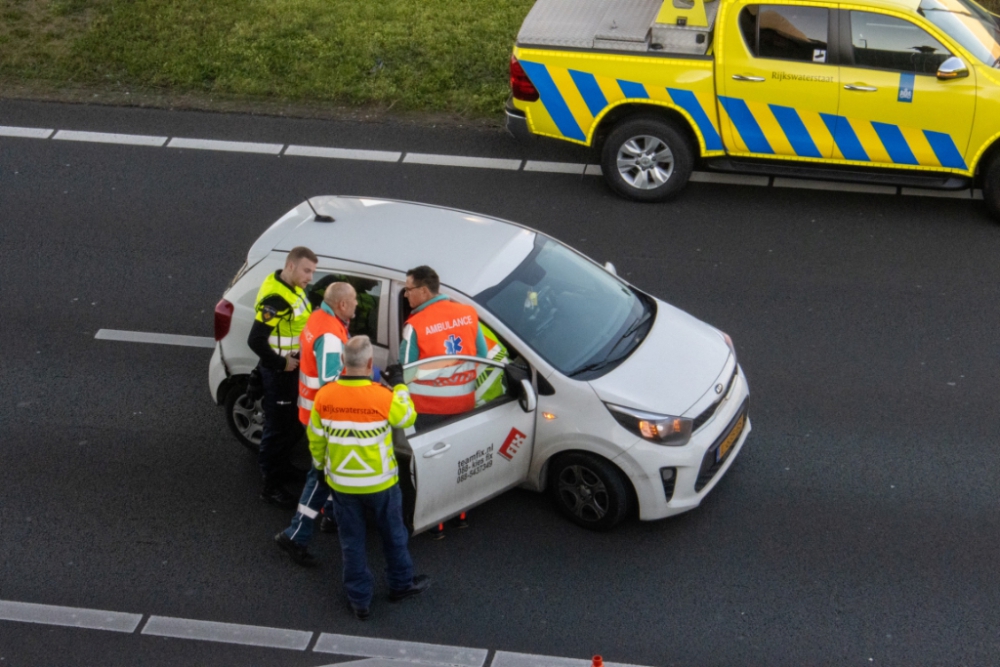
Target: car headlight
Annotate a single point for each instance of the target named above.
(661, 429)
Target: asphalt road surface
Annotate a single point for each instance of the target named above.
(858, 527)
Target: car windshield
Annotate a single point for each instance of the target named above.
(968, 24)
(576, 315)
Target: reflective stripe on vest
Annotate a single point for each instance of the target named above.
(353, 422)
(320, 323)
(445, 388)
(284, 338)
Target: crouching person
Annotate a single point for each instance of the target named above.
(350, 436)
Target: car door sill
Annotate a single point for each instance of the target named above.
(930, 180)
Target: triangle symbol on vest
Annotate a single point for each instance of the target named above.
(353, 465)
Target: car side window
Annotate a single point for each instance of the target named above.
(786, 32)
(886, 42)
(365, 322)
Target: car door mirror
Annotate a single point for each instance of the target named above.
(953, 68)
(610, 268)
(527, 399)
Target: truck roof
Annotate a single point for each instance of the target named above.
(630, 25)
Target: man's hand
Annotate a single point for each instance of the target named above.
(291, 363)
(393, 374)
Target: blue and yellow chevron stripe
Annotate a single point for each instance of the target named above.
(574, 100)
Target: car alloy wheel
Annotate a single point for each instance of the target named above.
(583, 493)
(245, 418)
(589, 490)
(645, 162)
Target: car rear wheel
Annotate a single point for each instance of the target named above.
(647, 159)
(991, 186)
(589, 491)
(245, 417)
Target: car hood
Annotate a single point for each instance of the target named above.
(680, 359)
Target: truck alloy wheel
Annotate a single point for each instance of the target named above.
(245, 419)
(589, 491)
(646, 159)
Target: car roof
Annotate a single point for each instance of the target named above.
(898, 5)
(470, 252)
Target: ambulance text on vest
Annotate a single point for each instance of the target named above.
(444, 326)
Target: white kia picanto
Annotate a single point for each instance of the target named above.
(616, 402)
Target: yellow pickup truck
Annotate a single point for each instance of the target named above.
(901, 92)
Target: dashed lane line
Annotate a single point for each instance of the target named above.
(226, 146)
(155, 338)
(227, 633)
(462, 161)
(108, 138)
(392, 649)
(377, 652)
(90, 619)
(343, 153)
(25, 132)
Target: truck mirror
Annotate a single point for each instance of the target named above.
(953, 68)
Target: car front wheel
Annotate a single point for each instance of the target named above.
(991, 187)
(245, 417)
(589, 491)
(647, 159)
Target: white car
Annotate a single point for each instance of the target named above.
(616, 401)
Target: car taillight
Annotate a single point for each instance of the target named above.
(520, 84)
(223, 318)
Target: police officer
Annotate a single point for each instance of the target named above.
(439, 326)
(350, 437)
(282, 310)
(320, 363)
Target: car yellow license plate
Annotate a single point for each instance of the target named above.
(730, 440)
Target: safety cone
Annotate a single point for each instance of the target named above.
(598, 661)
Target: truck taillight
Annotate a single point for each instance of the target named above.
(223, 318)
(520, 84)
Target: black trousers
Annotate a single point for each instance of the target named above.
(282, 428)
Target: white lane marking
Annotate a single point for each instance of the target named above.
(384, 662)
(555, 167)
(108, 138)
(155, 338)
(91, 619)
(805, 184)
(505, 659)
(25, 132)
(949, 194)
(462, 161)
(230, 146)
(343, 153)
(593, 170)
(390, 648)
(731, 179)
(228, 633)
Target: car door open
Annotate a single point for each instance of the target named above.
(474, 456)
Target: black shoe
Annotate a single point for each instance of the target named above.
(362, 614)
(421, 583)
(327, 524)
(298, 553)
(278, 497)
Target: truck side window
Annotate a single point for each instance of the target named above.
(786, 32)
(885, 42)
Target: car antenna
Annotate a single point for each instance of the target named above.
(319, 218)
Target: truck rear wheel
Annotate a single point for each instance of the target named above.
(647, 159)
(991, 187)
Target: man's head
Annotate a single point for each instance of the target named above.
(358, 356)
(422, 285)
(342, 299)
(300, 265)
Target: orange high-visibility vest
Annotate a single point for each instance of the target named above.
(445, 387)
(320, 322)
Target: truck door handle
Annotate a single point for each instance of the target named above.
(437, 450)
(747, 77)
(860, 89)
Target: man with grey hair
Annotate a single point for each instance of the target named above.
(322, 342)
(350, 437)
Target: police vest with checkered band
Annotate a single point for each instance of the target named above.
(288, 323)
(445, 387)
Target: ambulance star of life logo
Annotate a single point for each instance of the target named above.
(453, 345)
(510, 446)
